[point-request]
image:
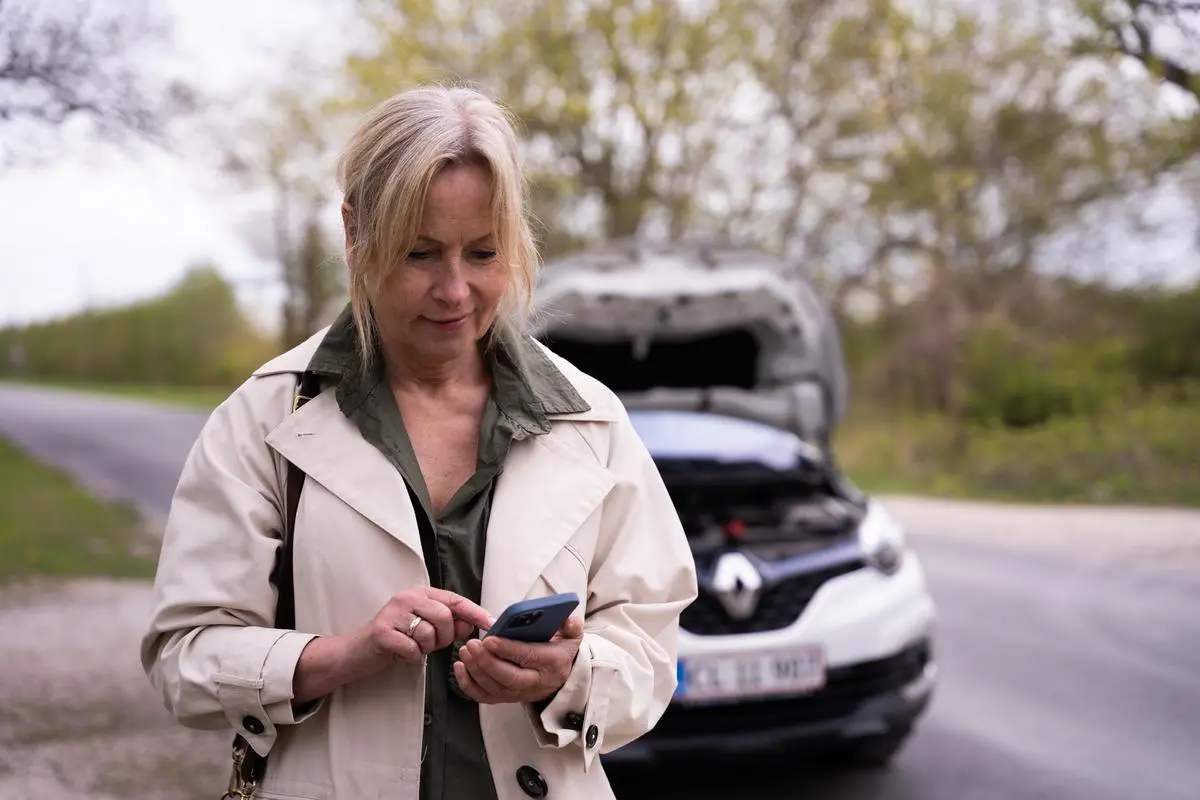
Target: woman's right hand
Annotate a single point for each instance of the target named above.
(445, 617)
(330, 662)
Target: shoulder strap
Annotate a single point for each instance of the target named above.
(248, 766)
(285, 609)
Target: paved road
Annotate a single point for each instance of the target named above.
(1068, 672)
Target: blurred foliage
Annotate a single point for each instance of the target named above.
(622, 102)
(1138, 453)
(924, 162)
(285, 153)
(1166, 351)
(63, 64)
(194, 335)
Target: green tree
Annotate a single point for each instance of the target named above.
(995, 143)
(193, 335)
(286, 155)
(622, 102)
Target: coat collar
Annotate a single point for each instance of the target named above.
(551, 483)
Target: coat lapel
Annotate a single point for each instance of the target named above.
(545, 493)
(328, 448)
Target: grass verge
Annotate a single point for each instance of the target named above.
(1147, 455)
(51, 526)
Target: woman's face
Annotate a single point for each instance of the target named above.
(436, 305)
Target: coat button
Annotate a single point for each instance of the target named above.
(428, 719)
(593, 736)
(531, 782)
(253, 725)
(573, 721)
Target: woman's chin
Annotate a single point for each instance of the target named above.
(448, 345)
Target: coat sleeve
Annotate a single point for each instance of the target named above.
(211, 650)
(642, 577)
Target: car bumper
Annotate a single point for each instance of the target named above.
(876, 631)
(859, 701)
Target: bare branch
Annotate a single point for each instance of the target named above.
(59, 65)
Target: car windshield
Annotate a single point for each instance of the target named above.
(696, 435)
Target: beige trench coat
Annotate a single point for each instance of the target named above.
(580, 509)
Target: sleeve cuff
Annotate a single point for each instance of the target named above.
(255, 685)
(577, 712)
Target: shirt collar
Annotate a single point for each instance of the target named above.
(526, 385)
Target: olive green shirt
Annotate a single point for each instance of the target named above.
(526, 388)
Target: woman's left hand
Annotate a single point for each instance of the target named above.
(499, 670)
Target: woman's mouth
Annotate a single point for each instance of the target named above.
(450, 323)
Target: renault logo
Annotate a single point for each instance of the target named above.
(737, 585)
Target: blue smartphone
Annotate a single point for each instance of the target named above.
(535, 620)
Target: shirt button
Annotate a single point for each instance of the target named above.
(593, 736)
(573, 720)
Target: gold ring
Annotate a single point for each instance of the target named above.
(412, 626)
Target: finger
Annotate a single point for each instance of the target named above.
(424, 634)
(440, 619)
(397, 644)
(571, 629)
(506, 674)
(468, 685)
(530, 655)
(480, 675)
(463, 630)
(462, 608)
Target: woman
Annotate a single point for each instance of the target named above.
(452, 467)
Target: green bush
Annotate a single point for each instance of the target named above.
(194, 335)
(1012, 379)
(1144, 453)
(1167, 348)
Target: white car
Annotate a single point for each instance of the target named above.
(812, 634)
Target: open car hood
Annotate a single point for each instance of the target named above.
(645, 303)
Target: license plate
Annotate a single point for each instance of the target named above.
(795, 670)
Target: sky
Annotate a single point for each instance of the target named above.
(98, 227)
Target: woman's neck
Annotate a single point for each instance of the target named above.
(409, 374)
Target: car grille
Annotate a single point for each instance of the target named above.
(845, 689)
(778, 607)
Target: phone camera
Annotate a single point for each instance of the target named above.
(527, 619)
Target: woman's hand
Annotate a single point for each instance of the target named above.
(415, 622)
(499, 670)
(410, 625)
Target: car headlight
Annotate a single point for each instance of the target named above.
(882, 539)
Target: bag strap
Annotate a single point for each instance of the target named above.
(248, 766)
(285, 607)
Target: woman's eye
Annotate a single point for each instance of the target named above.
(419, 255)
(485, 255)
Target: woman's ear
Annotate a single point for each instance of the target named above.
(348, 225)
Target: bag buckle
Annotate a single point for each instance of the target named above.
(240, 787)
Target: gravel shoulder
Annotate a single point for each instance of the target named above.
(78, 719)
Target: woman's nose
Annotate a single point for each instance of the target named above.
(451, 286)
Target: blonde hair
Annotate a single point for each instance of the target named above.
(385, 171)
